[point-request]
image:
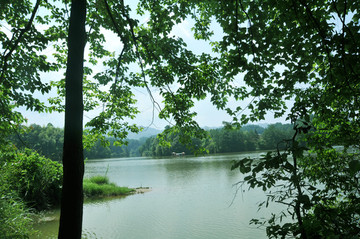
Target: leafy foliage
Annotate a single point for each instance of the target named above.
(320, 190)
(15, 219)
(47, 141)
(35, 179)
(22, 46)
(27, 182)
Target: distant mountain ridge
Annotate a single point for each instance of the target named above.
(145, 133)
(150, 132)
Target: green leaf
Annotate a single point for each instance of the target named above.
(354, 166)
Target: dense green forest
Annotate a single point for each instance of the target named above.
(48, 141)
(222, 140)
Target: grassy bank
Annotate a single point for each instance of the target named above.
(99, 186)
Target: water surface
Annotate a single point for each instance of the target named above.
(191, 197)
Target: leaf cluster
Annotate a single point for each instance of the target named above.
(35, 179)
(319, 189)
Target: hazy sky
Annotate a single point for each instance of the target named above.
(208, 115)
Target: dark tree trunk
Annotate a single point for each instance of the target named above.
(73, 158)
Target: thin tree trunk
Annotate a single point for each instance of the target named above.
(73, 158)
(297, 185)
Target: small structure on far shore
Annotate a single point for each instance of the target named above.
(178, 154)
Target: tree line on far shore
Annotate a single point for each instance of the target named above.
(221, 140)
(48, 141)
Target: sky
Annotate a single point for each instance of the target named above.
(207, 114)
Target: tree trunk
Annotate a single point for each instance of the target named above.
(73, 158)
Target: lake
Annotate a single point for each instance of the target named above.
(190, 197)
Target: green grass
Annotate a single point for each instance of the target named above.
(15, 219)
(99, 180)
(99, 186)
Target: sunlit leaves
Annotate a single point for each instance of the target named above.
(23, 59)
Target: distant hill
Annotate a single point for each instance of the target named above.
(244, 127)
(149, 132)
(146, 133)
(209, 128)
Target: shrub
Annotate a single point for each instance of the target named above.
(14, 217)
(36, 179)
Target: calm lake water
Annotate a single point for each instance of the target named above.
(190, 197)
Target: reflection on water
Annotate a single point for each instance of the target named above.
(190, 198)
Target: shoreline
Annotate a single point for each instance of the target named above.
(142, 190)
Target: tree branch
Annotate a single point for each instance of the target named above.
(136, 52)
(17, 41)
(321, 33)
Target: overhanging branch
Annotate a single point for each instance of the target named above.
(7, 55)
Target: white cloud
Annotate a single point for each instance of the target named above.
(182, 30)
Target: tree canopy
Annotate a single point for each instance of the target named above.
(302, 51)
(268, 52)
